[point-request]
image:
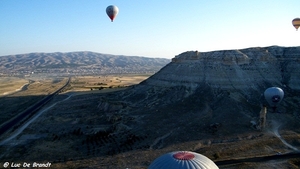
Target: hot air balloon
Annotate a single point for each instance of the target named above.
(112, 11)
(274, 96)
(183, 160)
(296, 23)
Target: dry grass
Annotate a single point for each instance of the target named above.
(44, 87)
(16, 102)
(11, 84)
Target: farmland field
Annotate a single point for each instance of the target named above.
(88, 83)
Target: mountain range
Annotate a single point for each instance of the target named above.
(79, 62)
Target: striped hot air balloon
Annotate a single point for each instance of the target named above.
(182, 160)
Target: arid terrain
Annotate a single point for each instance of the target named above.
(10, 85)
(88, 136)
(205, 102)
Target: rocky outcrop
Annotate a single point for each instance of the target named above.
(233, 69)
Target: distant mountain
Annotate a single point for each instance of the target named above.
(78, 62)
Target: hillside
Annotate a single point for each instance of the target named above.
(74, 63)
(205, 102)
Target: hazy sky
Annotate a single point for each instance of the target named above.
(152, 28)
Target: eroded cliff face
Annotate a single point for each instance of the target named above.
(239, 76)
(243, 69)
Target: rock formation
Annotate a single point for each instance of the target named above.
(240, 73)
(233, 69)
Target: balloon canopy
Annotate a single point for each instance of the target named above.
(112, 11)
(296, 23)
(183, 160)
(274, 96)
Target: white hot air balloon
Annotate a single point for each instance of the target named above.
(183, 160)
(112, 11)
(274, 96)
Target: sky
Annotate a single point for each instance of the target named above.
(152, 28)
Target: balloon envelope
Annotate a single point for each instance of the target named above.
(182, 160)
(273, 95)
(296, 23)
(112, 11)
